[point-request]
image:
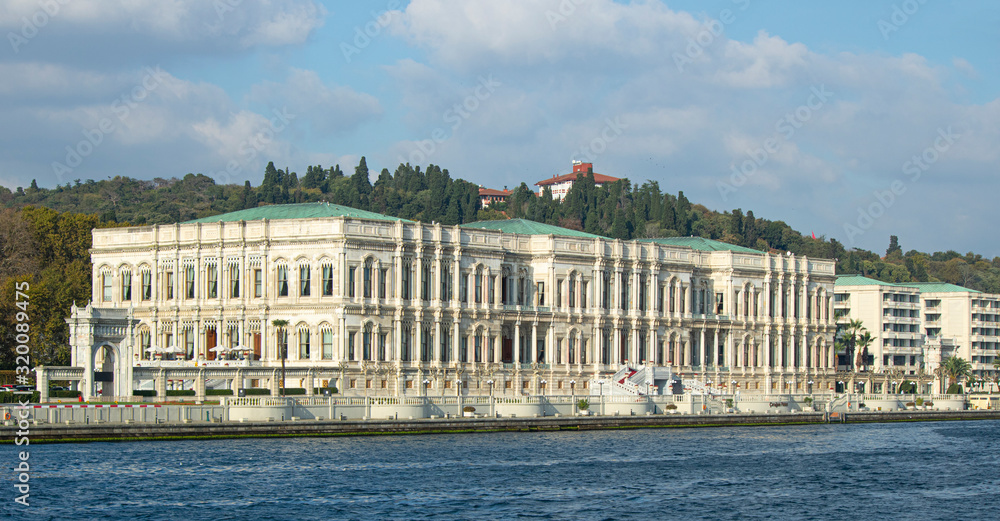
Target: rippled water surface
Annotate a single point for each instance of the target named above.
(925, 471)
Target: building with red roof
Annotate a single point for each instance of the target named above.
(488, 196)
(560, 185)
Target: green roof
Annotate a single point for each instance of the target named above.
(701, 243)
(858, 280)
(526, 227)
(939, 287)
(296, 211)
(924, 287)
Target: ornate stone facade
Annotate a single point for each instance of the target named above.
(383, 306)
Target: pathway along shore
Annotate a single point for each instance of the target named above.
(63, 433)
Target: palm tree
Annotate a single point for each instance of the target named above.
(849, 339)
(280, 324)
(956, 368)
(864, 342)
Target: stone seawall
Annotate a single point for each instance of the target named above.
(48, 433)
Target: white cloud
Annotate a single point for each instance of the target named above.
(329, 109)
(119, 30)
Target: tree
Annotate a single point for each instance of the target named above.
(864, 342)
(956, 368)
(280, 325)
(893, 247)
(848, 340)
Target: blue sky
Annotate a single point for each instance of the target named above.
(854, 120)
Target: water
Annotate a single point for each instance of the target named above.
(925, 471)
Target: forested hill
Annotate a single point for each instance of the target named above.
(621, 210)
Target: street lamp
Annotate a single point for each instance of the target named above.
(572, 388)
(426, 381)
(543, 387)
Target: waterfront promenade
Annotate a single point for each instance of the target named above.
(316, 416)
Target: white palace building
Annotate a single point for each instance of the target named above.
(384, 306)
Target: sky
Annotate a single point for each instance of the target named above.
(853, 120)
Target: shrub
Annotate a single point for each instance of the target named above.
(256, 391)
(64, 394)
(322, 390)
(294, 391)
(920, 401)
(954, 389)
(468, 408)
(808, 400)
(144, 393)
(218, 392)
(911, 404)
(180, 392)
(670, 407)
(9, 397)
(583, 405)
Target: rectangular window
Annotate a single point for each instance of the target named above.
(234, 281)
(351, 274)
(425, 283)
(540, 291)
(126, 286)
(583, 294)
(366, 287)
(404, 292)
(189, 282)
(170, 285)
(303, 344)
(463, 348)
(189, 341)
(327, 281)
(106, 286)
(304, 278)
(559, 293)
(147, 285)
(327, 344)
(382, 342)
(258, 283)
(213, 281)
(383, 278)
(350, 345)
(463, 288)
(282, 281)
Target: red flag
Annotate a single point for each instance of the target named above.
(814, 235)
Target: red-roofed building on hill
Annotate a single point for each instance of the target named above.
(560, 185)
(488, 196)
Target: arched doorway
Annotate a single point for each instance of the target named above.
(104, 371)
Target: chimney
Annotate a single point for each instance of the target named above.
(582, 168)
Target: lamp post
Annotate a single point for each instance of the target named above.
(426, 381)
(543, 387)
(572, 389)
(491, 397)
